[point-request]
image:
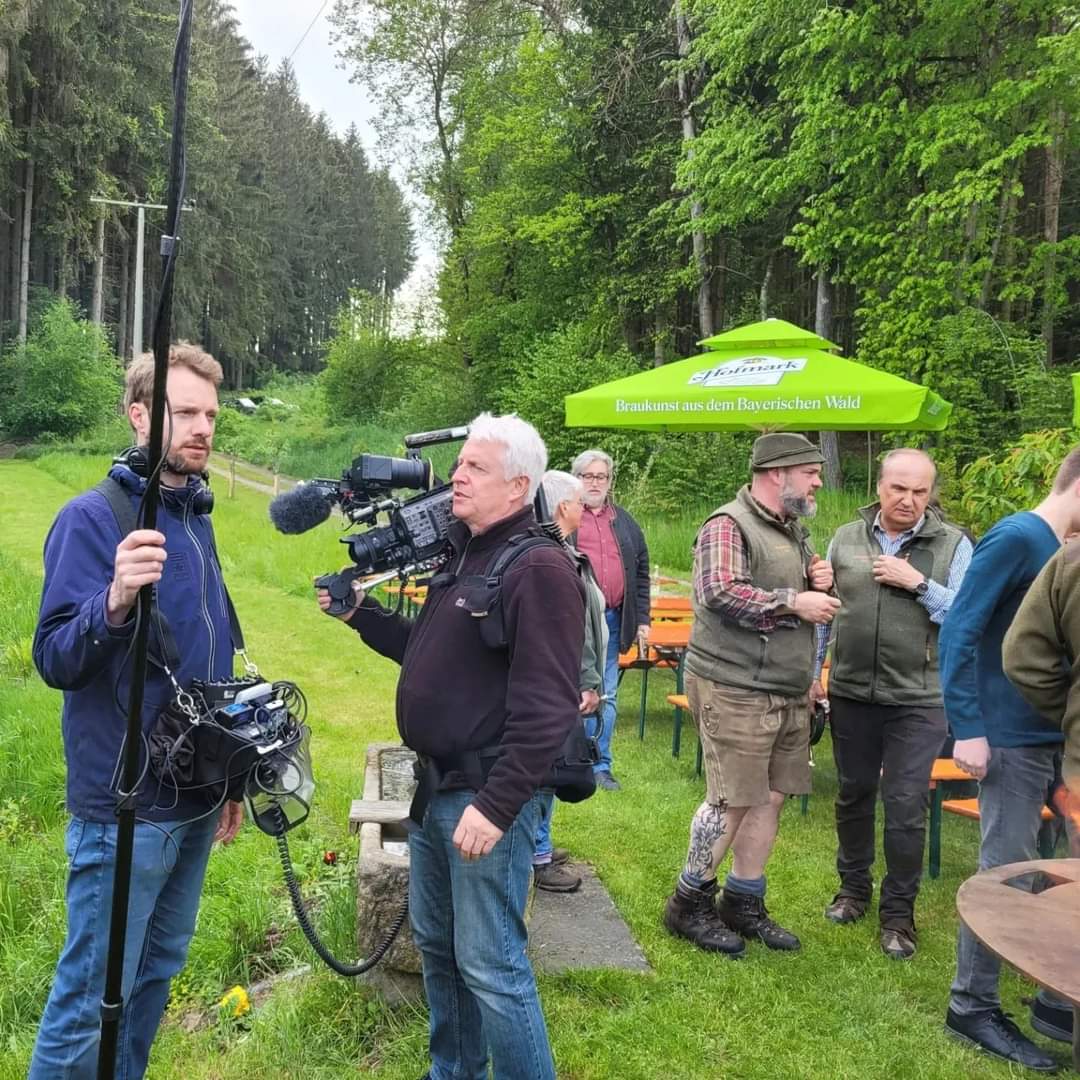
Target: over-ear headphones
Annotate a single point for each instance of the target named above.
(138, 461)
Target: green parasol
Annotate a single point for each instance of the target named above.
(769, 374)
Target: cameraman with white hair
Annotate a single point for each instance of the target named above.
(487, 722)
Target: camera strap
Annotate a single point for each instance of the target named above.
(119, 500)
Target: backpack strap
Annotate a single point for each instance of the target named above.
(512, 550)
(483, 592)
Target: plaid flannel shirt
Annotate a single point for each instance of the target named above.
(722, 580)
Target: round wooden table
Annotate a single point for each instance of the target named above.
(1029, 914)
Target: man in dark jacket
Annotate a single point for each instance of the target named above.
(471, 861)
(92, 577)
(616, 548)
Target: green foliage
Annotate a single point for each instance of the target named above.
(996, 382)
(411, 381)
(63, 381)
(561, 363)
(1016, 478)
(290, 215)
(691, 468)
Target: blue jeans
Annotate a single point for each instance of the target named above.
(168, 865)
(1011, 798)
(543, 846)
(468, 921)
(613, 616)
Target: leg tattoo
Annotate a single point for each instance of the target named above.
(707, 828)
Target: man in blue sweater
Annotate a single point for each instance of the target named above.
(1001, 740)
(82, 646)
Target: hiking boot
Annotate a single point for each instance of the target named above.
(996, 1034)
(748, 917)
(897, 943)
(691, 913)
(608, 782)
(845, 909)
(559, 855)
(555, 878)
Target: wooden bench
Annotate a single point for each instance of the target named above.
(945, 772)
(681, 703)
(671, 609)
(667, 647)
(381, 811)
(943, 776)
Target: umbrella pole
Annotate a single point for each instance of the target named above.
(869, 462)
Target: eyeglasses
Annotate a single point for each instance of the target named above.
(597, 477)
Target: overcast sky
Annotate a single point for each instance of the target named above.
(274, 28)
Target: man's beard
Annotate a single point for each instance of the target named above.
(180, 466)
(593, 500)
(793, 505)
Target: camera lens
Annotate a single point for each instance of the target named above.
(391, 472)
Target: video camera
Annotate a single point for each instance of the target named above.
(415, 537)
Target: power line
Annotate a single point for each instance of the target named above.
(308, 30)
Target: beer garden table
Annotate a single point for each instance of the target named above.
(1029, 915)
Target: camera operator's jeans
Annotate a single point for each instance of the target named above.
(168, 864)
(613, 617)
(468, 923)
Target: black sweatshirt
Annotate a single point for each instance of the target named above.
(456, 694)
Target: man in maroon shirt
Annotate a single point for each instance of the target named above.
(471, 861)
(616, 547)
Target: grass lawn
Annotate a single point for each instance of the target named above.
(838, 1009)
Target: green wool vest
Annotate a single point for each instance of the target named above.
(885, 646)
(733, 655)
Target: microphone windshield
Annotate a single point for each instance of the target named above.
(298, 510)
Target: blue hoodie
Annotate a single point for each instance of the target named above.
(77, 651)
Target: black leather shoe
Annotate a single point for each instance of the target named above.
(845, 909)
(897, 943)
(691, 914)
(1052, 1017)
(995, 1033)
(748, 917)
(559, 855)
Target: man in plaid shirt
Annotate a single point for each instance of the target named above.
(759, 589)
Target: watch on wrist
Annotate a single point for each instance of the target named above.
(922, 587)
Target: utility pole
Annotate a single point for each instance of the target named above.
(140, 231)
(99, 272)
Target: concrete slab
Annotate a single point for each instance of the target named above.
(582, 929)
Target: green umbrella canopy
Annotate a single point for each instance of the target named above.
(767, 334)
(795, 385)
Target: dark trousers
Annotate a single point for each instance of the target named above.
(894, 746)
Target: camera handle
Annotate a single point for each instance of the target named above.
(340, 585)
(340, 588)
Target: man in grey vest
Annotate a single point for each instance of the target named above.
(898, 567)
(758, 591)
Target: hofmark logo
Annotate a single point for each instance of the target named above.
(747, 371)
